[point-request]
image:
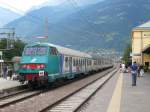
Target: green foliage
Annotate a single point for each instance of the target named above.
(17, 49)
(126, 55)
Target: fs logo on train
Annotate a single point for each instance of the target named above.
(41, 73)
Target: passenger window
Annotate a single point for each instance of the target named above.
(79, 62)
(66, 62)
(74, 63)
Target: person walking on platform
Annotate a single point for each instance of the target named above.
(134, 71)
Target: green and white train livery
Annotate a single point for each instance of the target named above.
(42, 63)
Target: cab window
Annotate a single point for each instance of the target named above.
(53, 51)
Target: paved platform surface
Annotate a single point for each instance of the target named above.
(118, 95)
(136, 99)
(6, 84)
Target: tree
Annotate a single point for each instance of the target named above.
(126, 55)
(17, 49)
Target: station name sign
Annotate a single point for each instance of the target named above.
(146, 34)
(136, 54)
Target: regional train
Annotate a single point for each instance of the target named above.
(44, 63)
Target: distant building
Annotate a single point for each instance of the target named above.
(141, 44)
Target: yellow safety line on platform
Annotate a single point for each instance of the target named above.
(114, 105)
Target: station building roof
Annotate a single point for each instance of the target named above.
(145, 26)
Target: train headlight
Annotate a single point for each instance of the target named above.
(42, 66)
(38, 66)
(24, 66)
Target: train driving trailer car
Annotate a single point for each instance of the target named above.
(43, 63)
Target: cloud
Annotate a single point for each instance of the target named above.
(20, 6)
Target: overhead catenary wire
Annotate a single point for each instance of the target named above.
(32, 17)
(38, 20)
(84, 18)
(93, 31)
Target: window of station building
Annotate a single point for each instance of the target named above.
(53, 51)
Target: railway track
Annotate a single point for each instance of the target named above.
(17, 97)
(11, 91)
(53, 96)
(11, 94)
(74, 101)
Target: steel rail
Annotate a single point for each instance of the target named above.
(66, 97)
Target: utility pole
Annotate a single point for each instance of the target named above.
(7, 33)
(46, 28)
(1, 61)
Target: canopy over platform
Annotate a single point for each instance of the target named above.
(146, 49)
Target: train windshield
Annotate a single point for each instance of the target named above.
(37, 50)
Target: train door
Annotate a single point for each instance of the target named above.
(70, 65)
(85, 65)
(61, 63)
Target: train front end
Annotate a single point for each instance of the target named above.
(34, 65)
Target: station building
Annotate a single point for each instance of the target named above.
(140, 37)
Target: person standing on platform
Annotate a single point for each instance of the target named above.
(141, 71)
(5, 71)
(138, 71)
(134, 71)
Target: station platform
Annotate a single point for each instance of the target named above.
(128, 98)
(118, 95)
(7, 84)
(136, 98)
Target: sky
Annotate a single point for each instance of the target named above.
(21, 6)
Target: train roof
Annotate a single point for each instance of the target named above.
(67, 51)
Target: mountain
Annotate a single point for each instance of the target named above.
(104, 24)
(7, 16)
